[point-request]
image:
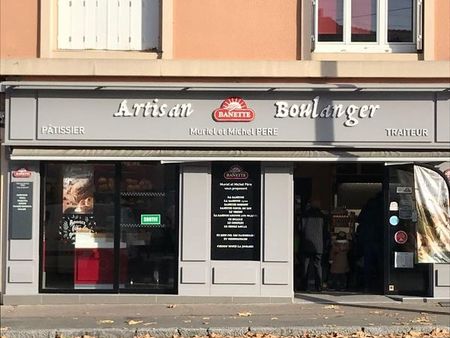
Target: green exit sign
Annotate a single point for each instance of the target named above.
(151, 219)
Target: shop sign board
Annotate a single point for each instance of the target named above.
(235, 211)
(21, 210)
(210, 118)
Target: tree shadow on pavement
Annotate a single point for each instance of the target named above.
(314, 298)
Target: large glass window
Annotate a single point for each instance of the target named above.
(109, 227)
(78, 232)
(148, 201)
(367, 25)
(364, 20)
(400, 21)
(331, 19)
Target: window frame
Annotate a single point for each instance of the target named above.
(380, 46)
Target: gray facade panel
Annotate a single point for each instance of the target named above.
(21, 272)
(442, 275)
(196, 215)
(235, 273)
(193, 273)
(21, 249)
(278, 213)
(22, 118)
(443, 118)
(277, 274)
(23, 255)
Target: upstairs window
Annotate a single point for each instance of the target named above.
(367, 25)
(109, 24)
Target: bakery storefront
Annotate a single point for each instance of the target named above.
(196, 191)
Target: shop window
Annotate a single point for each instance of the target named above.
(109, 24)
(368, 25)
(148, 229)
(108, 227)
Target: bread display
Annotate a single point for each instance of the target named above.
(135, 185)
(105, 184)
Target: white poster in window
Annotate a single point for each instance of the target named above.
(78, 189)
(433, 212)
(404, 260)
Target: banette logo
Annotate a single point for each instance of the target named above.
(233, 109)
(21, 173)
(235, 173)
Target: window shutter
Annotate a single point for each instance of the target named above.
(64, 24)
(419, 24)
(90, 9)
(314, 24)
(113, 25)
(109, 24)
(151, 24)
(136, 25)
(124, 25)
(77, 24)
(101, 24)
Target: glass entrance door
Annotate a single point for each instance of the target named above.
(148, 231)
(404, 276)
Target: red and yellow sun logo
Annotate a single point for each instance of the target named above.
(233, 109)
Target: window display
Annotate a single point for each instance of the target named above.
(84, 204)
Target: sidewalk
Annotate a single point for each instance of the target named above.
(381, 315)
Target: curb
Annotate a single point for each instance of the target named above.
(226, 331)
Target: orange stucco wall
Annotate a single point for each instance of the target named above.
(442, 26)
(235, 29)
(18, 28)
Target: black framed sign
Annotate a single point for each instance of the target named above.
(236, 211)
(21, 210)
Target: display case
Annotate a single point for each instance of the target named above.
(94, 257)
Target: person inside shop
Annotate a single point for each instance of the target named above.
(311, 233)
(339, 265)
(370, 233)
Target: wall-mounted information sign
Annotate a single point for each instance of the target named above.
(235, 218)
(21, 210)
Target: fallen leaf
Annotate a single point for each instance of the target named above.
(172, 306)
(205, 318)
(273, 318)
(134, 322)
(105, 321)
(244, 314)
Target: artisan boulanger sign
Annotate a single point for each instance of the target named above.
(234, 109)
(350, 113)
(210, 118)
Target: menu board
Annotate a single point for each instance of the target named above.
(21, 210)
(235, 211)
